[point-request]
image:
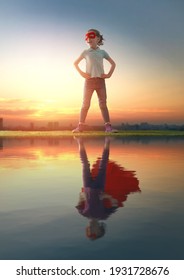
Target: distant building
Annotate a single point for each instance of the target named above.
(56, 125)
(53, 125)
(1, 123)
(32, 126)
(50, 125)
(1, 144)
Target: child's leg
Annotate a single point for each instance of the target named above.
(88, 91)
(86, 173)
(101, 177)
(102, 98)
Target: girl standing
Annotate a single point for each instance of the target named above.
(94, 78)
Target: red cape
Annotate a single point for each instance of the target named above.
(119, 182)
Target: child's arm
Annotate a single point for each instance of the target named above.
(113, 65)
(76, 64)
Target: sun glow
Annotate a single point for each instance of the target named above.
(39, 68)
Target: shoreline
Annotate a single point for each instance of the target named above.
(67, 133)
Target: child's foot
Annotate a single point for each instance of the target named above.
(78, 139)
(79, 128)
(109, 129)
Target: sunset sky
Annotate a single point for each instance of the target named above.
(40, 39)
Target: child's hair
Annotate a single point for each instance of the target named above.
(98, 35)
(101, 231)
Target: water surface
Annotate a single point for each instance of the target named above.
(99, 198)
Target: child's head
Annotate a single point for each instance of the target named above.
(94, 34)
(95, 229)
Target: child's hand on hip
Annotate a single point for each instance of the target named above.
(105, 76)
(85, 75)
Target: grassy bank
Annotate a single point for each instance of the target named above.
(156, 133)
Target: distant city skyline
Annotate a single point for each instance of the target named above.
(57, 125)
(72, 121)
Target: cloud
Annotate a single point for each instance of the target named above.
(16, 108)
(150, 110)
(27, 109)
(17, 113)
(8, 102)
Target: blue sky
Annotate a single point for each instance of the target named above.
(147, 20)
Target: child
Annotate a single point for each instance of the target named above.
(105, 188)
(94, 78)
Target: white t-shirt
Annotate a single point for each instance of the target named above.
(94, 61)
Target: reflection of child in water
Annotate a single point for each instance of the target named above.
(105, 187)
(94, 203)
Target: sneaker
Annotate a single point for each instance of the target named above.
(78, 129)
(109, 129)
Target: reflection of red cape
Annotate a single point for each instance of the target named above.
(119, 182)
